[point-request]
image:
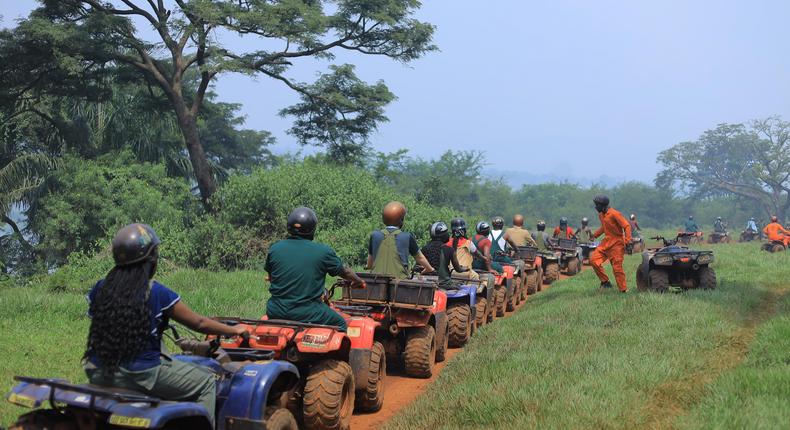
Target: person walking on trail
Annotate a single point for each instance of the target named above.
(441, 255)
(775, 232)
(584, 233)
(465, 250)
(691, 225)
(389, 248)
(129, 312)
(297, 269)
(612, 247)
(540, 236)
(635, 229)
(562, 231)
(520, 235)
(483, 260)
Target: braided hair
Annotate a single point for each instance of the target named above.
(120, 317)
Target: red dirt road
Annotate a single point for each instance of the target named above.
(400, 390)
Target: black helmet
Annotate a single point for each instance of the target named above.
(458, 225)
(541, 225)
(498, 223)
(585, 220)
(483, 228)
(134, 243)
(302, 222)
(601, 202)
(718, 218)
(563, 221)
(440, 231)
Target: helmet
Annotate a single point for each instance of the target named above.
(718, 218)
(751, 219)
(458, 226)
(518, 220)
(440, 231)
(601, 202)
(633, 216)
(774, 218)
(585, 220)
(691, 216)
(564, 221)
(541, 225)
(393, 214)
(483, 228)
(302, 222)
(134, 243)
(498, 222)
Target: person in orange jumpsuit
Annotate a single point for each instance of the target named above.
(612, 247)
(775, 232)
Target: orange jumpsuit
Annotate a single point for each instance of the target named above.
(775, 231)
(612, 248)
(568, 232)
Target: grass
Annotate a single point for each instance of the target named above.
(572, 357)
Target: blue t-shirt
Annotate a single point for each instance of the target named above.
(160, 300)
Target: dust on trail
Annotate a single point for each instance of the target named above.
(675, 398)
(400, 390)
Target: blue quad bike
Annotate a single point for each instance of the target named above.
(461, 309)
(252, 392)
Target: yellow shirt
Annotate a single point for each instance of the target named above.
(520, 236)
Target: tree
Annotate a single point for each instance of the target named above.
(752, 162)
(188, 37)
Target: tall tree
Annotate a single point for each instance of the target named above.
(189, 35)
(750, 161)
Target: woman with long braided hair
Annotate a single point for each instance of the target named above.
(129, 312)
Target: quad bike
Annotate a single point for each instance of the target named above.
(749, 235)
(514, 289)
(773, 246)
(637, 245)
(485, 296)
(550, 263)
(587, 249)
(533, 270)
(411, 317)
(719, 237)
(252, 393)
(690, 238)
(570, 255)
(676, 265)
(461, 308)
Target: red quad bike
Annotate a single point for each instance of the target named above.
(341, 371)
(773, 246)
(411, 318)
(690, 238)
(533, 270)
(503, 290)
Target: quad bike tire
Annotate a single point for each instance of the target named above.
(532, 282)
(552, 273)
(419, 356)
(481, 314)
(659, 280)
(540, 278)
(707, 278)
(641, 280)
(443, 345)
(43, 419)
(501, 299)
(460, 317)
(777, 248)
(281, 419)
(512, 300)
(517, 291)
(328, 399)
(371, 397)
(573, 266)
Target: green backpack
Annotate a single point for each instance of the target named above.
(387, 261)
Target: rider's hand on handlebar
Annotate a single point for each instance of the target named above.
(240, 331)
(359, 284)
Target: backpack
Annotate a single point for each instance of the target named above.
(387, 260)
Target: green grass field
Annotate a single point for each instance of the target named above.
(571, 357)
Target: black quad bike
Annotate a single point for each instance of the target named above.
(570, 255)
(550, 265)
(675, 265)
(773, 246)
(749, 235)
(719, 237)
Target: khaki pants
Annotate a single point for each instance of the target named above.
(171, 380)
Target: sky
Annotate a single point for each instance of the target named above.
(562, 88)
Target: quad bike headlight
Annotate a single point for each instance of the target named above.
(663, 260)
(705, 259)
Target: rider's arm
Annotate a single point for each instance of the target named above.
(351, 276)
(510, 241)
(456, 265)
(422, 261)
(193, 320)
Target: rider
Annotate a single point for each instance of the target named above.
(390, 247)
(691, 225)
(501, 243)
(719, 226)
(584, 234)
(618, 234)
(297, 269)
(751, 225)
(465, 249)
(775, 232)
(520, 235)
(441, 255)
(635, 229)
(483, 260)
(129, 312)
(540, 237)
(563, 231)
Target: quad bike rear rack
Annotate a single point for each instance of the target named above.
(91, 390)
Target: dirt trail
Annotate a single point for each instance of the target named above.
(675, 398)
(401, 390)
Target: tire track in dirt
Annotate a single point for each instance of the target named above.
(400, 390)
(675, 398)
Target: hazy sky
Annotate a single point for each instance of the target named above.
(583, 87)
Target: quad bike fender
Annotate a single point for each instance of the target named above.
(141, 415)
(439, 302)
(321, 340)
(645, 266)
(361, 331)
(508, 271)
(249, 393)
(464, 293)
(271, 337)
